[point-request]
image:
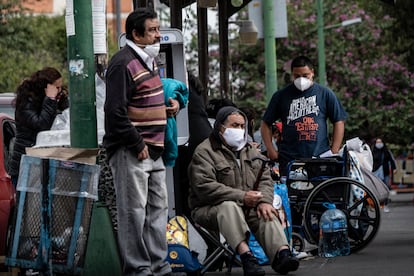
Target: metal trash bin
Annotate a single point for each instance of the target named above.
(54, 206)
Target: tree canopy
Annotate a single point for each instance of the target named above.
(29, 43)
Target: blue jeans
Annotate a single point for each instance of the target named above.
(387, 181)
(142, 205)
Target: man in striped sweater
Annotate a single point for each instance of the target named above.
(135, 119)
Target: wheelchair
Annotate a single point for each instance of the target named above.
(311, 183)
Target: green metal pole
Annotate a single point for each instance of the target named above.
(83, 126)
(270, 48)
(101, 257)
(321, 44)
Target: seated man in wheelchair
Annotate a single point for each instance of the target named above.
(223, 197)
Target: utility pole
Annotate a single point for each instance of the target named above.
(83, 128)
(118, 18)
(224, 49)
(202, 42)
(101, 255)
(270, 49)
(321, 44)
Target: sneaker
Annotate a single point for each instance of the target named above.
(386, 209)
(299, 255)
(251, 266)
(285, 262)
(31, 272)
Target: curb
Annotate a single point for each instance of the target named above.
(398, 197)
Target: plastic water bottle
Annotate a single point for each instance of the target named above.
(333, 238)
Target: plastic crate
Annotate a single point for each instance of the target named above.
(54, 206)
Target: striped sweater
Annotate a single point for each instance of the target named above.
(134, 108)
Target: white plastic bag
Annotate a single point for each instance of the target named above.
(362, 152)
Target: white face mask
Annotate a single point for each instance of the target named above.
(302, 83)
(379, 145)
(152, 50)
(235, 138)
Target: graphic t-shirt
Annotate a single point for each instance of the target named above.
(304, 115)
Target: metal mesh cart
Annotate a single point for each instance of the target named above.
(54, 206)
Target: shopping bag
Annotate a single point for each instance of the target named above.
(281, 203)
(257, 250)
(375, 185)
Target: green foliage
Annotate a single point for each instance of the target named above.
(112, 44)
(401, 33)
(29, 43)
(370, 78)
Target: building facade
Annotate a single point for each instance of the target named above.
(57, 7)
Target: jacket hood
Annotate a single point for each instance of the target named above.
(221, 117)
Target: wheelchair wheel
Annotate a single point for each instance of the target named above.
(298, 243)
(359, 204)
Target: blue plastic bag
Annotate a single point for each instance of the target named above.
(257, 250)
(281, 190)
(281, 193)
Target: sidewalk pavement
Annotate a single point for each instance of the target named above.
(398, 197)
(315, 264)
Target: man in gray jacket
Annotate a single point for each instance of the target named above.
(222, 174)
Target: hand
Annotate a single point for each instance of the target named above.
(272, 154)
(51, 91)
(255, 145)
(63, 93)
(143, 154)
(251, 198)
(172, 110)
(265, 211)
(335, 150)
